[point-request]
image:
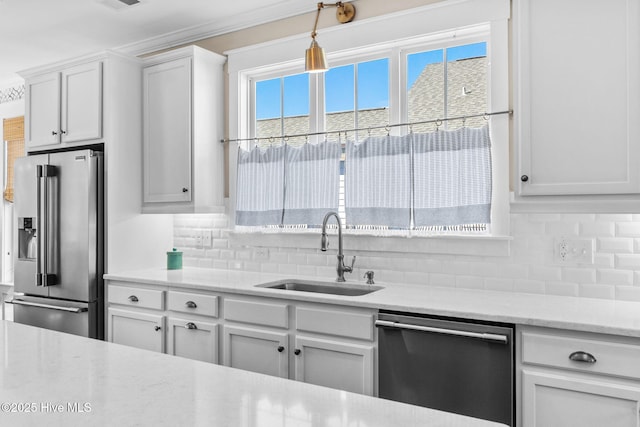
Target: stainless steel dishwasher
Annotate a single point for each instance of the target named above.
(448, 364)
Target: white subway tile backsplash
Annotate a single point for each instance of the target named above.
(562, 228)
(441, 279)
(297, 258)
(484, 269)
(597, 291)
(499, 284)
(530, 267)
(614, 217)
(597, 229)
(615, 277)
(628, 229)
(416, 278)
(513, 271)
(562, 289)
(541, 272)
(628, 261)
(615, 245)
(604, 260)
(628, 293)
(579, 275)
(529, 286)
(469, 282)
(306, 270)
(288, 269)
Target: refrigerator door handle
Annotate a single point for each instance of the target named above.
(49, 306)
(43, 277)
(39, 230)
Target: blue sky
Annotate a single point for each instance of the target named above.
(373, 84)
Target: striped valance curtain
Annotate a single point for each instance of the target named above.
(452, 177)
(436, 180)
(430, 181)
(378, 182)
(287, 185)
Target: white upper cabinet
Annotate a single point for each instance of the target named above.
(81, 115)
(64, 106)
(42, 110)
(577, 97)
(182, 129)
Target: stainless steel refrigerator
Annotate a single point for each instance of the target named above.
(59, 245)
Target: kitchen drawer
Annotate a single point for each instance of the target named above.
(333, 322)
(257, 313)
(187, 302)
(612, 358)
(136, 297)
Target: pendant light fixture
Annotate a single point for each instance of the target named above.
(315, 59)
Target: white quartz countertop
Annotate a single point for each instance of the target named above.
(580, 314)
(54, 379)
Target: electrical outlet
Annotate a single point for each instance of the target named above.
(261, 254)
(197, 236)
(207, 238)
(573, 251)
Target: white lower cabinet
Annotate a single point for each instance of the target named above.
(136, 329)
(332, 346)
(313, 343)
(257, 350)
(568, 400)
(571, 378)
(193, 339)
(335, 364)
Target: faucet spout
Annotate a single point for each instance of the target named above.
(324, 244)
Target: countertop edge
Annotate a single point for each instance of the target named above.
(571, 313)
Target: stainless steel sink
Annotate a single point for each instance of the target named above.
(321, 287)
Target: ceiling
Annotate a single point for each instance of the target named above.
(38, 32)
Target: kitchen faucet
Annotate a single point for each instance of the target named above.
(324, 244)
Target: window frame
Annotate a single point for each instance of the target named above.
(445, 23)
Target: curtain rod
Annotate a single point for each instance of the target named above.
(387, 127)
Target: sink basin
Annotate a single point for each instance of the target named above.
(321, 287)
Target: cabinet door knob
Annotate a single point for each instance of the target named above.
(582, 356)
(297, 351)
(190, 325)
(53, 132)
(524, 178)
(133, 298)
(190, 304)
(280, 349)
(157, 328)
(185, 189)
(63, 132)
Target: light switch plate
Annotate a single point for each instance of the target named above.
(206, 238)
(573, 251)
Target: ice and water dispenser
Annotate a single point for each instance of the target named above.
(27, 240)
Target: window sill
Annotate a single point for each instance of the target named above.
(498, 246)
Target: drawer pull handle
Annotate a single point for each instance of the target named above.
(190, 304)
(280, 349)
(191, 325)
(133, 298)
(582, 356)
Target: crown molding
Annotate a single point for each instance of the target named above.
(282, 10)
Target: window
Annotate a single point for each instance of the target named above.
(465, 66)
(449, 82)
(282, 107)
(441, 83)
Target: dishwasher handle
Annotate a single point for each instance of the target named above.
(502, 339)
